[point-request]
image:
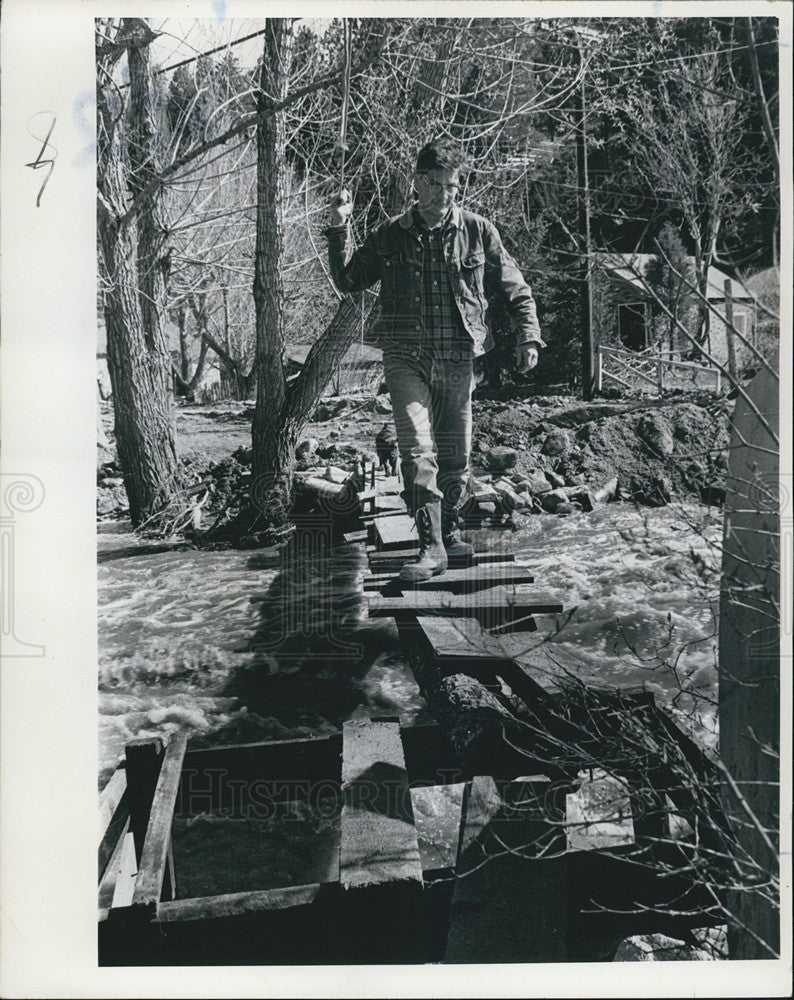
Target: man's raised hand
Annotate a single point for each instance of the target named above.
(341, 208)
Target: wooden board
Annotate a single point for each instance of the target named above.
(394, 559)
(352, 537)
(460, 638)
(155, 856)
(506, 907)
(378, 841)
(113, 817)
(444, 602)
(469, 578)
(396, 532)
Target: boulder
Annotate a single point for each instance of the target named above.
(500, 458)
(509, 497)
(580, 495)
(556, 480)
(552, 500)
(567, 508)
(555, 443)
(537, 482)
(656, 434)
(306, 451)
(656, 491)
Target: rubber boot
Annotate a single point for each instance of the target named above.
(450, 533)
(432, 554)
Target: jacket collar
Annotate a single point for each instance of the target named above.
(406, 220)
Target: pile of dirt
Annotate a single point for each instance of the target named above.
(656, 449)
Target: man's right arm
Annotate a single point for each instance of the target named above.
(351, 270)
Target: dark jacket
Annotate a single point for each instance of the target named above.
(478, 266)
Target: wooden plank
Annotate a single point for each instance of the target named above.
(121, 867)
(395, 558)
(460, 638)
(154, 859)
(143, 760)
(445, 602)
(469, 578)
(114, 814)
(352, 537)
(378, 841)
(236, 903)
(396, 532)
(508, 906)
(124, 875)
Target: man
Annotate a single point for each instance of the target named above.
(437, 265)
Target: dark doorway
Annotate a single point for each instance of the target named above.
(631, 325)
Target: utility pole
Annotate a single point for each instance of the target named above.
(583, 183)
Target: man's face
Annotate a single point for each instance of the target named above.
(435, 192)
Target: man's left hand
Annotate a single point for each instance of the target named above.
(526, 357)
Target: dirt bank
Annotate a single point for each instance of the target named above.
(656, 449)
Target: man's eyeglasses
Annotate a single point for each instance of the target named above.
(437, 186)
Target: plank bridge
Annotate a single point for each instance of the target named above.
(515, 830)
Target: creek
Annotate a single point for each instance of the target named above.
(242, 646)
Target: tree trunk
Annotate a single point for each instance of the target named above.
(132, 252)
(272, 435)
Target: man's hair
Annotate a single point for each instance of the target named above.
(441, 154)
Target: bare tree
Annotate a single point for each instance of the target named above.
(134, 269)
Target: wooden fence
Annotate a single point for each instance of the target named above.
(647, 373)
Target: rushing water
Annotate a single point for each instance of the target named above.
(239, 646)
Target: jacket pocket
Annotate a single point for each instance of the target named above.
(473, 260)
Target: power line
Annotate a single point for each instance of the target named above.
(209, 52)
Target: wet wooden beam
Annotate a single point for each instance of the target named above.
(396, 532)
(113, 817)
(465, 580)
(378, 842)
(444, 602)
(155, 870)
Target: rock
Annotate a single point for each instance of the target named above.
(329, 408)
(382, 404)
(606, 492)
(552, 500)
(556, 480)
(656, 434)
(556, 443)
(538, 483)
(111, 481)
(653, 492)
(581, 496)
(509, 497)
(500, 458)
(245, 455)
(486, 507)
(566, 508)
(305, 452)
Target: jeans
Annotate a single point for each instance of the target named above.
(431, 403)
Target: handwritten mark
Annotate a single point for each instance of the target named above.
(41, 160)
